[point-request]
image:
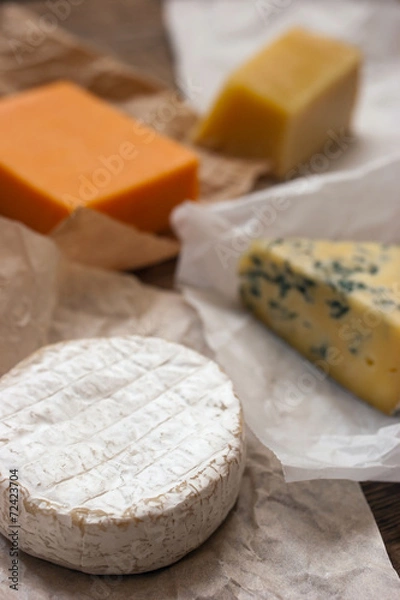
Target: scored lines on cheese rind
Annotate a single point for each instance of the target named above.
(152, 474)
(128, 456)
(96, 397)
(167, 478)
(39, 473)
(73, 363)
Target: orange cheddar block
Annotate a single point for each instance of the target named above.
(62, 148)
(286, 102)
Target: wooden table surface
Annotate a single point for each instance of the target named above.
(133, 31)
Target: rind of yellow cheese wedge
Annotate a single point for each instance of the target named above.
(338, 303)
(62, 148)
(285, 102)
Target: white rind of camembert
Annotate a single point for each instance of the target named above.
(129, 452)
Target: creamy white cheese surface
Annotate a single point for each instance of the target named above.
(129, 452)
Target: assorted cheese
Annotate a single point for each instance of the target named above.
(286, 102)
(62, 148)
(338, 303)
(129, 452)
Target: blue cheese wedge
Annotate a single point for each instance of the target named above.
(338, 303)
(128, 452)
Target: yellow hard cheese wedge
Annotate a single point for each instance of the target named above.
(286, 102)
(338, 303)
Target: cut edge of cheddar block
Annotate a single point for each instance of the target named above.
(252, 118)
(136, 213)
(38, 210)
(142, 194)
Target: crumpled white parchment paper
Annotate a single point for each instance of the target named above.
(315, 427)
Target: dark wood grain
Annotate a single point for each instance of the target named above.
(384, 500)
(133, 30)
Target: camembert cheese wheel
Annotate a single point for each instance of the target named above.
(127, 453)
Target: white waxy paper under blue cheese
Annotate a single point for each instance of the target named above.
(129, 452)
